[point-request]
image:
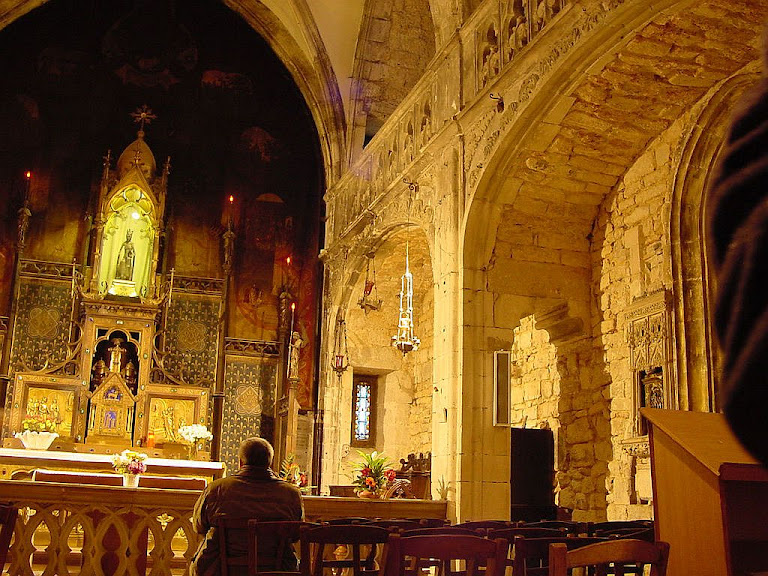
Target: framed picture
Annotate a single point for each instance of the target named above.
(166, 408)
(57, 400)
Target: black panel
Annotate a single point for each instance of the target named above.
(532, 473)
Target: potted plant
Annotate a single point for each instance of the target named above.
(373, 474)
(38, 432)
(131, 465)
(291, 472)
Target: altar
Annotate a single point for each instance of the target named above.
(20, 463)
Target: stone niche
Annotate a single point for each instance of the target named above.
(648, 322)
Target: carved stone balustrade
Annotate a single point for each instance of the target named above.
(78, 529)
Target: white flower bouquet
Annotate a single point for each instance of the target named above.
(129, 462)
(194, 433)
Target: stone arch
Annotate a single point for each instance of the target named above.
(312, 73)
(696, 352)
(540, 171)
(405, 382)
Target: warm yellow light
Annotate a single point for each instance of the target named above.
(231, 199)
(135, 215)
(293, 306)
(28, 174)
(288, 260)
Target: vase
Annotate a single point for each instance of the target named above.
(131, 480)
(36, 440)
(192, 451)
(367, 494)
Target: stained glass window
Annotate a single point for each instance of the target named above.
(363, 394)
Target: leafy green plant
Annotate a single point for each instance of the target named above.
(373, 472)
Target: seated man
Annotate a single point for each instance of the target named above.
(253, 492)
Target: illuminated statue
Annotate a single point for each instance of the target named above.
(293, 359)
(125, 258)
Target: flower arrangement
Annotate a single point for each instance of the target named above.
(38, 423)
(129, 462)
(292, 473)
(193, 433)
(373, 473)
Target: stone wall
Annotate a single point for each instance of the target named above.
(631, 256)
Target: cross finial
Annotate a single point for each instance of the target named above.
(143, 116)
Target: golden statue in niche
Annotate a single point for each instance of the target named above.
(126, 258)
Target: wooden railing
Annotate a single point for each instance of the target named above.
(67, 529)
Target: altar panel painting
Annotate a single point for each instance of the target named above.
(51, 400)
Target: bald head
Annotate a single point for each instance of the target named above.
(256, 452)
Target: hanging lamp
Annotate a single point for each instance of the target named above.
(405, 340)
(370, 299)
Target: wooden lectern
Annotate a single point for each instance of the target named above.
(710, 496)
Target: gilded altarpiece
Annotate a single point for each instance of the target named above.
(249, 394)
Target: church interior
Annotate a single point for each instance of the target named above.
(468, 233)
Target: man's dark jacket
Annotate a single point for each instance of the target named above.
(252, 492)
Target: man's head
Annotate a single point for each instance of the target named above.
(256, 452)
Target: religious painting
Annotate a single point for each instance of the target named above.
(169, 407)
(47, 402)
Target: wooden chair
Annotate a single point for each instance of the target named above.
(316, 557)
(572, 528)
(618, 525)
(479, 556)
(270, 545)
(348, 520)
(627, 533)
(396, 525)
(430, 522)
(509, 534)
(531, 555)
(234, 550)
(8, 516)
(610, 557)
(486, 524)
(444, 530)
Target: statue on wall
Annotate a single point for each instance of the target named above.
(126, 258)
(293, 359)
(117, 355)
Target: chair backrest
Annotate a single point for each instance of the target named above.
(408, 554)
(8, 515)
(619, 525)
(346, 540)
(531, 555)
(396, 524)
(430, 522)
(574, 528)
(270, 546)
(610, 557)
(631, 533)
(446, 530)
(486, 524)
(348, 520)
(234, 550)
